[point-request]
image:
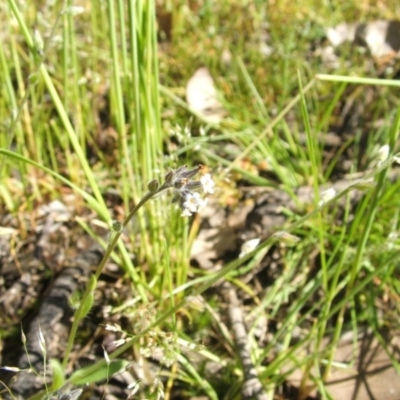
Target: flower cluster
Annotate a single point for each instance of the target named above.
(183, 185)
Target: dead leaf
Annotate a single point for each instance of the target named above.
(218, 234)
(341, 33)
(381, 37)
(202, 96)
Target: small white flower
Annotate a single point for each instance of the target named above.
(396, 159)
(207, 183)
(192, 202)
(326, 196)
(249, 246)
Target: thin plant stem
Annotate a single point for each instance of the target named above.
(149, 195)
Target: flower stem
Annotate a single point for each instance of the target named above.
(99, 269)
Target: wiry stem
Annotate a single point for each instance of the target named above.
(149, 195)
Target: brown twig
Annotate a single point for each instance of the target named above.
(53, 316)
(252, 387)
